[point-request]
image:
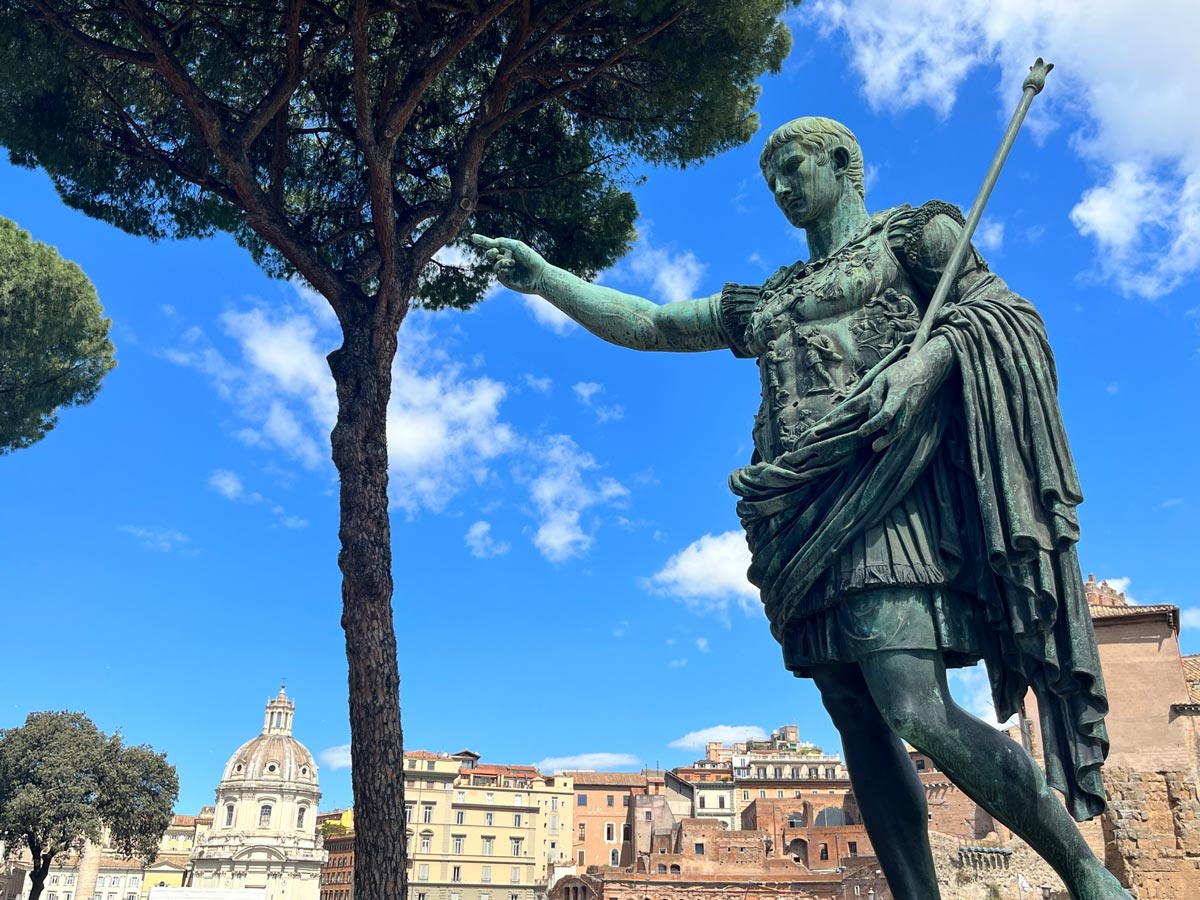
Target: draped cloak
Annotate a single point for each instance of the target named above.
(994, 442)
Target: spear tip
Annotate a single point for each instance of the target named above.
(1037, 76)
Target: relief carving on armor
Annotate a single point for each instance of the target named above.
(883, 324)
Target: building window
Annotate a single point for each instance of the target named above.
(490, 798)
(582, 830)
(674, 868)
(703, 802)
(831, 773)
(487, 818)
(488, 843)
(300, 813)
(610, 800)
(455, 895)
(70, 879)
(852, 847)
(649, 816)
(423, 872)
(761, 771)
(581, 800)
(456, 874)
(460, 797)
(762, 795)
(795, 771)
(486, 874)
(54, 879)
(458, 843)
(515, 847)
(228, 815)
(610, 831)
(614, 857)
(745, 795)
(721, 802)
(460, 817)
(264, 816)
(625, 831)
(430, 765)
(579, 857)
(426, 843)
(518, 799)
(824, 851)
(554, 803)
(426, 813)
(920, 764)
(812, 772)
(660, 869)
(699, 849)
(516, 820)
(779, 771)
(515, 875)
(408, 812)
(779, 795)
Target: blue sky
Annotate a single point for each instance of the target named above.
(567, 560)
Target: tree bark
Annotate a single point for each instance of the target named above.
(37, 875)
(362, 371)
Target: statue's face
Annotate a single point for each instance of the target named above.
(806, 189)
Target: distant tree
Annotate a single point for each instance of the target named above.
(54, 346)
(63, 782)
(348, 142)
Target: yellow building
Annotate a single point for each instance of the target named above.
(483, 832)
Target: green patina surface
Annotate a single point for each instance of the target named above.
(908, 506)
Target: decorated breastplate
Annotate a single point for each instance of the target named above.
(817, 329)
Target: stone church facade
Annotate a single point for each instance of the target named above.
(264, 829)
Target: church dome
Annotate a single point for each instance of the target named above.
(274, 755)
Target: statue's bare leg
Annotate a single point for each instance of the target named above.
(909, 687)
(889, 792)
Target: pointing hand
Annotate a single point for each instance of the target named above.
(517, 265)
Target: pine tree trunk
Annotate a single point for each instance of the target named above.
(37, 875)
(362, 372)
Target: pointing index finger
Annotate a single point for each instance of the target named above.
(482, 240)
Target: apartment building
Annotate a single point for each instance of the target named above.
(483, 831)
(602, 801)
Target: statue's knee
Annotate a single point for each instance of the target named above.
(910, 719)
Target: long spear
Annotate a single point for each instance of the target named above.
(1031, 88)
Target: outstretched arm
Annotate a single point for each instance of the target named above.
(618, 318)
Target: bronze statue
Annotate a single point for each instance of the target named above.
(910, 504)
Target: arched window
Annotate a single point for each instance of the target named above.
(300, 817)
(614, 857)
(660, 869)
(228, 815)
(674, 868)
(264, 816)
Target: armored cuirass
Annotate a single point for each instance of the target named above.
(818, 328)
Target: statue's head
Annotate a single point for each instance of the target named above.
(819, 138)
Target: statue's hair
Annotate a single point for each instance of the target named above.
(818, 136)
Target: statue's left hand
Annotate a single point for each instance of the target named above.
(899, 393)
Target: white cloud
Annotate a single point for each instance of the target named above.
(227, 484)
(672, 276)
(1113, 387)
(606, 414)
(702, 644)
(1190, 617)
(1124, 84)
(677, 663)
(444, 427)
(561, 493)
(588, 762)
(547, 314)
(1170, 502)
(335, 758)
(708, 574)
(585, 390)
(989, 236)
(541, 385)
(164, 540)
(725, 734)
(621, 628)
(973, 692)
(479, 539)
